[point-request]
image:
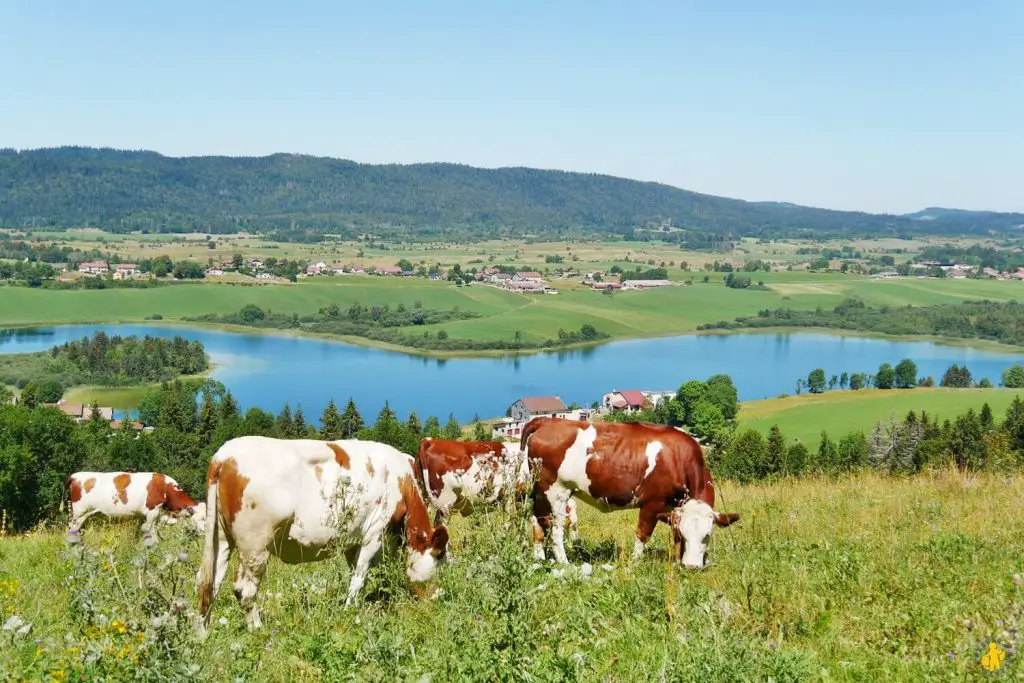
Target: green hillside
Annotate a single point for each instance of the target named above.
(839, 412)
(128, 190)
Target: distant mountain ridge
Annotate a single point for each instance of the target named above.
(125, 190)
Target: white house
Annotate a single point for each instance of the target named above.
(93, 267)
(525, 409)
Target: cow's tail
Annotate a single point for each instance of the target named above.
(419, 467)
(207, 567)
(531, 426)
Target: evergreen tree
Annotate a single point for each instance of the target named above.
(987, 421)
(284, 425)
(331, 423)
(413, 425)
(209, 420)
(351, 420)
(299, 428)
(796, 460)
(229, 412)
(480, 431)
(828, 455)
(775, 451)
(1013, 424)
(432, 428)
(29, 396)
(451, 430)
(967, 443)
(844, 380)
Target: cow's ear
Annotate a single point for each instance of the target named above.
(726, 518)
(439, 539)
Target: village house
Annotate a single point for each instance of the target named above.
(93, 267)
(59, 267)
(80, 412)
(605, 285)
(388, 270)
(512, 427)
(645, 284)
(885, 275)
(124, 271)
(527, 275)
(214, 271)
(525, 409)
(525, 285)
(632, 400)
(498, 278)
(255, 263)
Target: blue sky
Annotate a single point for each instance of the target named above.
(880, 106)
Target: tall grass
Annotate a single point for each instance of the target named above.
(861, 579)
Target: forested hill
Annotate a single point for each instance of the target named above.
(128, 190)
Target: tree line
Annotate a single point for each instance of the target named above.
(295, 196)
(392, 325)
(903, 376)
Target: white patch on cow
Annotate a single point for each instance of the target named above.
(538, 546)
(573, 470)
(420, 565)
(652, 451)
(558, 497)
(694, 520)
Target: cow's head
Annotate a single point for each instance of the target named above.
(421, 564)
(692, 523)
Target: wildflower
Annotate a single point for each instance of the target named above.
(13, 623)
(118, 625)
(223, 621)
(1017, 580)
(139, 561)
(183, 557)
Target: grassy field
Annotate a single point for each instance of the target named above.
(860, 579)
(121, 398)
(804, 417)
(671, 310)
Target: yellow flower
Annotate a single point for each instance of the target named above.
(140, 636)
(58, 676)
(118, 626)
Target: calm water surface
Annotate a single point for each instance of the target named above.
(266, 370)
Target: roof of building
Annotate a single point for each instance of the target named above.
(634, 397)
(127, 266)
(543, 404)
(529, 274)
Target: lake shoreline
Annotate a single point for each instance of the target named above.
(973, 343)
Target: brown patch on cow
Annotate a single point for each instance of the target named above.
(318, 471)
(538, 534)
(121, 483)
(440, 456)
(369, 468)
(89, 484)
(252, 504)
(340, 456)
(156, 491)
(176, 499)
(231, 487)
(76, 490)
(417, 523)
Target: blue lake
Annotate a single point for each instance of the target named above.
(267, 370)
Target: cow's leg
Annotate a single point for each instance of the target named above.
(366, 554)
(251, 567)
(223, 555)
(645, 527)
(558, 498)
(541, 521)
(572, 520)
(75, 527)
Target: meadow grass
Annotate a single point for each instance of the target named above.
(804, 417)
(859, 579)
(121, 398)
(671, 310)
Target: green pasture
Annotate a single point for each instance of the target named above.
(805, 417)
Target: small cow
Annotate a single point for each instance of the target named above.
(658, 469)
(302, 500)
(460, 474)
(129, 494)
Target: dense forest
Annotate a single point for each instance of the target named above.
(122, 190)
(101, 359)
(995, 321)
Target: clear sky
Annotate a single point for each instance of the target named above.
(880, 105)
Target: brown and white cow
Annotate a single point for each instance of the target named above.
(302, 500)
(460, 474)
(658, 469)
(129, 494)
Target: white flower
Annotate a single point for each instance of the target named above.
(607, 567)
(13, 623)
(223, 621)
(586, 569)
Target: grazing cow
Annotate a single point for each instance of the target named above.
(302, 500)
(460, 474)
(658, 469)
(128, 494)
